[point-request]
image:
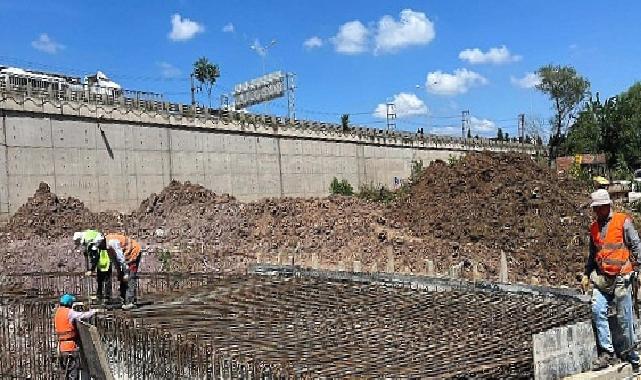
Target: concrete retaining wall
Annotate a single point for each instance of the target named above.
(113, 158)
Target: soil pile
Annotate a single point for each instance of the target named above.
(466, 213)
(176, 196)
(504, 202)
(46, 214)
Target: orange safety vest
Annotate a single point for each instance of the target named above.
(130, 247)
(65, 330)
(612, 257)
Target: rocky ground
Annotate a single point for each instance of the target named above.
(465, 213)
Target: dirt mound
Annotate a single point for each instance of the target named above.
(178, 195)
(464, 213)
(46, 214)
(504, 202)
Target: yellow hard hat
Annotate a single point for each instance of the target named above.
(601, 180)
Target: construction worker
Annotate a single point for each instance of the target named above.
(615, 249)
(127, 254)
(64, 321)
(96, 260)
(601, 182)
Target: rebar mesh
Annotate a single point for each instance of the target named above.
(268, 327)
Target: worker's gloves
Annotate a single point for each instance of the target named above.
(585, 282)
(88, 273)
(125, 276)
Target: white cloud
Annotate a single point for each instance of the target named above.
(459, 82)
(313, 42)
(352, 38)
(229, 28)
(495, 56)
(529, 80)
(168, 71)
(46, 44)
(183, 29)
(413, 28)
(406, 105)
(481, 126)
(450, 130)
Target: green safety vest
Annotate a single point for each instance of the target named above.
(104, 262)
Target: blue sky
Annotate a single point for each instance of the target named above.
(434, 58)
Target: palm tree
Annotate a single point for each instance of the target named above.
(206, 74)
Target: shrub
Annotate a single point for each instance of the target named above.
(341, 187)
(375, 193)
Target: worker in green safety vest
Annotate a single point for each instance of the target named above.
(95, 261)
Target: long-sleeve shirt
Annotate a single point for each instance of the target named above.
(113, 245)
(630, 238)
(79, 315)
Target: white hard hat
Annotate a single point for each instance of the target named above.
(600, 197)
(77, 237)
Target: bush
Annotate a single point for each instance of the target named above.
(375, 193)
(453, 160)
(417, 170)
(341, 187)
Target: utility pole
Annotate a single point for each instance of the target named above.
(464, 122)
(522, 128)
(193, 90)
(391, 116)
(290, 82)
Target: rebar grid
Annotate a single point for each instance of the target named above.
(275, 327)
(309, 328)
(27, 304)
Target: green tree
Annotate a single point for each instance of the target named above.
(585, 134)
(499, 134)
(469, 134)
(566, 89)
(345, 122)
(612, 127)
(507, 136)
(206, 73)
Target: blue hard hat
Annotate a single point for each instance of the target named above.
(67, 300)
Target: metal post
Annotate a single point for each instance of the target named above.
(464, 122)
(290, 82)
(193, 90)
(391, 116)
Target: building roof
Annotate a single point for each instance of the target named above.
(565, 162)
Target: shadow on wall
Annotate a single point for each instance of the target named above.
(104, 139)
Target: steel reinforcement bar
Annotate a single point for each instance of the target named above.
(299, 327)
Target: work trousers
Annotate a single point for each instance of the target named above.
(104, 284)
(129, 289)
(70, 365)
(618, 296)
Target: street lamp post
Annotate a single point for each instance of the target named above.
(262, 52)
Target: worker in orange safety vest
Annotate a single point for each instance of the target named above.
(127, 254)
(64, 320)
(615, 249)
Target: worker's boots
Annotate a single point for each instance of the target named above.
(604, 360)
